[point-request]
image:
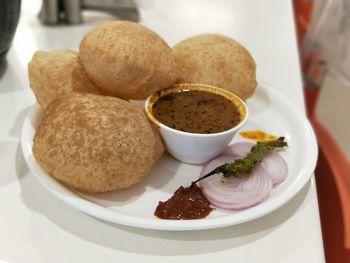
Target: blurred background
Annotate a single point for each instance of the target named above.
(323, 33)
(323, 29)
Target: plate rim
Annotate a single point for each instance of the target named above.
(73, 199)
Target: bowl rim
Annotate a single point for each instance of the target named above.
(154, 97)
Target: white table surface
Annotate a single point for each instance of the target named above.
(36, 227)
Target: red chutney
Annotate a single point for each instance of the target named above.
(186, 203)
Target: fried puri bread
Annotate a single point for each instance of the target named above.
(96, 143)
(56, 73)
(216, 60)
(127, 60)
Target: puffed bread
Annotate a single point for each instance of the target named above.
(96, 143)
(127, 60)
(216, 60)
(56, 73)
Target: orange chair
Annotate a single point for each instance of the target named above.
(333, 187)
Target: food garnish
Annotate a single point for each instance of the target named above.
(242, 167)
(272, 162)
(237, 193)
(242, 177)
(258, 135)
(234, 193)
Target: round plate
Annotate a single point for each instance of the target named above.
(269, 111)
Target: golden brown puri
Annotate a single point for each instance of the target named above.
(127, 60)
(56, 73)
(96, 143)
(216, 60)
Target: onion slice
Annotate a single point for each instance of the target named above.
(222, 159)
(273, 163)
(276, 167)
(240, 149)
(239, 193)
(235, 193)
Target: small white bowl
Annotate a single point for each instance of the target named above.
(195, 148)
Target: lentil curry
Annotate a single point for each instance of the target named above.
(196, 112)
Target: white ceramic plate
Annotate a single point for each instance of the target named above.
(269, 111)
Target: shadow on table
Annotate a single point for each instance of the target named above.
(3, 66)
(140, 241)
